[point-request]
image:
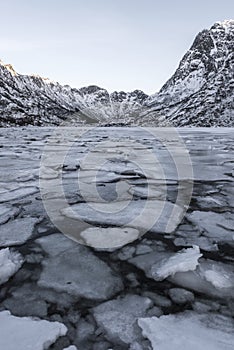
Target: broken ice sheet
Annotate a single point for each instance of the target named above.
(153, 215)
(211, 277)
(160, 265)
(27, 333)
(184, 260)
(219, 226)
(10, 263)
(16, 232)
(7, 212)
(80, 273)
(118, 318)
(17, 193)
(109, 238)
(189, 331)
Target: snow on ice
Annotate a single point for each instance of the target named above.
(27, 333)
(10, 263)
(190, 331)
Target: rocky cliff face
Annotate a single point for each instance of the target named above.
(200, 92)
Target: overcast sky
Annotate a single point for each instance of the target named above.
(116, 44)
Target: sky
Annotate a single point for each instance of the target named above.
(115, 44)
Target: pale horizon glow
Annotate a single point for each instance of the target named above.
(117, 45)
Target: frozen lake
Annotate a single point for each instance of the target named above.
(118, 238)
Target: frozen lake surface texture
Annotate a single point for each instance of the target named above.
(116, 238)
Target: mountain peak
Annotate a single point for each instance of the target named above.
(227, 23)
(9, 67)
(201, 90)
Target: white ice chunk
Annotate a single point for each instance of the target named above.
(7, 212)
(119, 317)
(154, 215)
(213, 225)
(10, 263)
(112, 237)
(26, 333)
(221, 276)
(17, 194)
(80, 272)
(184, 260)
(218, 280)
(189, 331)
(16, 232)
(211, 277)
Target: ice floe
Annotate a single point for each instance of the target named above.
(211, 277)
(189, 331)
(80, 272)
(109, 238)
(27, 333)
(10, 263)
(184, 260)
(154, 215)
(17, 193)
(219, 227)
(118, 318)
(7, 212)
(161, 264)
(16, 232)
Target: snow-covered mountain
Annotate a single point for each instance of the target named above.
(200, 92)
(114, 107)
(32, 100)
